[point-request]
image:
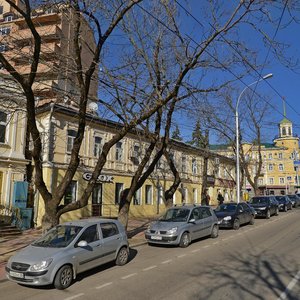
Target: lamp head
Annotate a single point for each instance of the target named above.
(268, 76)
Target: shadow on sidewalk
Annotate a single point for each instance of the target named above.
(136, 230)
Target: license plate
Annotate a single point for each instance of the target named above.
(16, 274)
(155, 237)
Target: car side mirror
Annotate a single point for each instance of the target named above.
(82, 244)
(192, 221)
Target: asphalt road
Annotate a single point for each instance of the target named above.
(256, 262)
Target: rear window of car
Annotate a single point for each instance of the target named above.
(109, 229)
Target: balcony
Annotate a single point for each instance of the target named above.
(49, 32)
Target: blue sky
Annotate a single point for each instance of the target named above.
(285, 81)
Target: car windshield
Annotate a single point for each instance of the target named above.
(259, 200)
(176, 215)
(58, 237)
(227, 207)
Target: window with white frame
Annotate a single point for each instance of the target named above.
(289, 178)
(183, 164)
(194, 166)
(280, 167)
(160, 192)
(119, 151)
(271, 180)
(70, 139)
(136, 153)
(8, 18)
(280, 155)
(97, 146)
(185, 195)
(71, 193)
(260, 181)
(281, 180)
(4, 30)
(270, 167)
(149, 194)
(118, 192)
(270, 156)
(137, 197)
(3, 125)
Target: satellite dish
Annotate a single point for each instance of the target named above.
(93, 106)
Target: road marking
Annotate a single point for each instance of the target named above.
(290, 286)
(74, 297)
(149, 268)
(103, 285)
(166, 261)
(182, 255)
(196, 250)
(128, 276)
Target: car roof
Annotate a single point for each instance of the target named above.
(89, 221)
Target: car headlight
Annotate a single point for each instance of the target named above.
(148, 228)
(227, 218)
(172, 230)
(262, 208)
(44, 264)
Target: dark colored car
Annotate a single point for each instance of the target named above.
(265, 206)
(284, 203)
(295, 199)
(232, 215)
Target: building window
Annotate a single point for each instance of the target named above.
(260, 181)
(270, 156)
(119, 190)
(195, 195)
(70, 139)
(97, 194)
(3, 124)
(183, 164)
(136, 153)
(4, 30)
(8, 18)
(283, 131)
(280, 167)
(97, 146)
(71, 193)
(280, 155)
(185, 195)
(160, 195)
(270, 167)
(289, 178)
(194, 166)
(3, 47)
(1, 10)
(271, 180)
(148, 192)
(137, 197)
(281, 180)
(119, 151)
(290, 131)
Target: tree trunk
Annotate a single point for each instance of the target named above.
(124, 208)
(50, 218)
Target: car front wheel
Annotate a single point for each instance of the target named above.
(63, 277)
(285, 208)
(214, 232)
(277, 212)
(252, 220)
(236, 224)
(122, 257)
(184, 240)
(268, 214)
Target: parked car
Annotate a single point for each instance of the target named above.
(284, 203)
(181, 225)
(232, 215)
(67, 250)
(265, 206)
(295, 199)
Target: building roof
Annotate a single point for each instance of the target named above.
(285, 121)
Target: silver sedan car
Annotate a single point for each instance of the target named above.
(67, 250)
(181, 225)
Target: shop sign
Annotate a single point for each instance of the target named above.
(101, 178)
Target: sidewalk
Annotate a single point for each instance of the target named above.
(8, 247)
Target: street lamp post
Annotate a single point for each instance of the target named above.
(237, 135)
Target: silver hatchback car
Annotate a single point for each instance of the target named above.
(181, 225)
(68, 249)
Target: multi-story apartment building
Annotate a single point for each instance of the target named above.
(55, 79)
(280, 162)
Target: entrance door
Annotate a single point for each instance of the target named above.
(97, 200)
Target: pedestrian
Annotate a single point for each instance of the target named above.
(206, 198)
(220, 198)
